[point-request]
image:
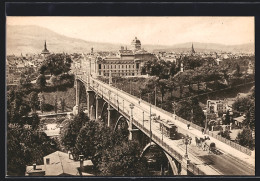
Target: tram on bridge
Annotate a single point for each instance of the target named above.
(168, 128)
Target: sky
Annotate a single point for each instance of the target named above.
(150, 30)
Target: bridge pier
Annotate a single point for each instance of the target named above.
(111, 115)
(134, 134)
(77, 92)
(184, 166)
(99, 105)
(90, 102)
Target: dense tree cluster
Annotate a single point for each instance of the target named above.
(56, 64)
(111, 152)
(245, 138)
(26, 147)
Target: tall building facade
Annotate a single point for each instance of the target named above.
(124, 63)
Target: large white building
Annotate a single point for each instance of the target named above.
(124, 63)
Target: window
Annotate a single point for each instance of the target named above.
(137, 66)
(111, 67)
(118, 66)
(133, 66)
(99, 66)
(122, 66)
(47, 161)
(115, 66)
(104, 66)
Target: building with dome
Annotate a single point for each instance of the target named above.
(124, 63)
(136, 44)
(45, 51)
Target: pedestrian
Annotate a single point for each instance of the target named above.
(202, 130)
(188, 125)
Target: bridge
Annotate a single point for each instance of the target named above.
(114, 106)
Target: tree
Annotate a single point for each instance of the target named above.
(42, 102)
(225, 134)
(171, 86)
(183, 109)
(63, 104)
(123, 160)
(227, 119)
(34, 102)
(162, 84)
(249, 122)
(85, 144)
(245, 138)
(198, 116)
(56, 104)
(243, 104)
(71, 130)
(26, 82)
(16, 106)
(41, 81)
(16, 162)
(26, 147)
(35, 121)
(57, 64)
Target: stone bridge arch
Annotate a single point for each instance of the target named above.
(119, 120)
(174, 164)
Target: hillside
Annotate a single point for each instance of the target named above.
(30, 39)
(200, 47)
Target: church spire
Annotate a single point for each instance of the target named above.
(45, 46)
(192, 49)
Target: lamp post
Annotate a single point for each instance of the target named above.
(187, 141)
(123, 105)
(162, 132)
(155, 96)
(150, 124)
(174, 109)
(131, 121)
(174, 106)
(143, 118)
(206, 122)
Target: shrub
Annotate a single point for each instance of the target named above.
(48, 107)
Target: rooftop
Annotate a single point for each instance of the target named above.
(61, 164)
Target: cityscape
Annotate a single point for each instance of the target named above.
(83, 107)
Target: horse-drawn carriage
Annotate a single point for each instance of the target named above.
(206, 144)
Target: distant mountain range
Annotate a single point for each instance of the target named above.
(30, 39)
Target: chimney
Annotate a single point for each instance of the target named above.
(34, 166)
(81, 160)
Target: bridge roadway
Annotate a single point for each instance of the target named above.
(210, 164)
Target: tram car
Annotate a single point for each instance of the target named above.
(168, 129)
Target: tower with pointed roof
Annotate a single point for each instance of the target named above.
(45, 51)
(192, 49)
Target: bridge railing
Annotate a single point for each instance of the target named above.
(226, 141)
(191, 167)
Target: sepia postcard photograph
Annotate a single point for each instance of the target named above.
(130, 96)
